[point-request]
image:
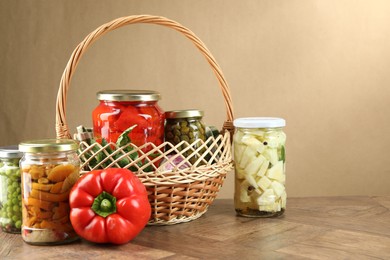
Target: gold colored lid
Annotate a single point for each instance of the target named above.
(128, 95)
(184, 113)
(10, 152)
(48, 145)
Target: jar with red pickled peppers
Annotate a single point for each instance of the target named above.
(120, 109)
(49, 169)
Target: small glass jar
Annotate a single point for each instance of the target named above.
(10, 190)
(260, 159)
(50, 168)
(185, 125)
(120, 109)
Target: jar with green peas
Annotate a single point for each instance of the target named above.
(186, 125)
(10, 189)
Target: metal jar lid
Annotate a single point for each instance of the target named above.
(11, 152)
(128, 95)
(189, 113)
(48, 146)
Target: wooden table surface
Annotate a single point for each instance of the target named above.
(312, 228)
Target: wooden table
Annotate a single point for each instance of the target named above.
(312, 228)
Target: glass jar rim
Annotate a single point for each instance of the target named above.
(10, 152)
(48, 146)
(128, 95)
(259, 122)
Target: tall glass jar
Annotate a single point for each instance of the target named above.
(185, 125)
(50, 168)
(120, 109)
(10, 190)
(260, 159)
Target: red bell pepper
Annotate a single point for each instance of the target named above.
(109, 206)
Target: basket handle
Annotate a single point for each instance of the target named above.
(62, 130)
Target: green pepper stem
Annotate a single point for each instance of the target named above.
(104, 204)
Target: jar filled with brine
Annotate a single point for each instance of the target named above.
(10, 189)
(119, 110)
(186, 125)
(259, 155)
(50, 168)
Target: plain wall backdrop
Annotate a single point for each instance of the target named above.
(324, 66)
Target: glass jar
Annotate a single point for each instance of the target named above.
(120, 109)
(259, 155)
(50, 168)
(10, 190)
(186, 125)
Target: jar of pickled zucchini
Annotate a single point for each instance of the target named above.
(186, 125)
(50, 168)
(260, 158)
(119, 110)
(10, 190)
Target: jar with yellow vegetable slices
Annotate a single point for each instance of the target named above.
(49, 168)
(260, 163)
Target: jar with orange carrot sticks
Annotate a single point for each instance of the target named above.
(49, 168)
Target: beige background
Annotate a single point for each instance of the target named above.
(324, 66)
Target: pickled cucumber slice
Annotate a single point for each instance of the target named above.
(272, 155)
(263, 168)
(239, 150)
(238, 137)
(267, 198)
(253, 167)
(251, 180)
(247, 156)
(264, 182)
(276, 172)
(278, 188)
(253, 143)
(258, 133)
(274, 139)
(275, 207)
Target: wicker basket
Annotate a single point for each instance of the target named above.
(185, 192)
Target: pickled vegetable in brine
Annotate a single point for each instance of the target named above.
(10, 191)
(120, 109)
(259, 154)
(46, 202)
(49, 169)
(187, 126)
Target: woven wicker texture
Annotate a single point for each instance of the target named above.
(177, 192)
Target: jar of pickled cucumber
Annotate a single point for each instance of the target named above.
(186, 125)
(260, 163)
(50, 168)
(10, 190)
